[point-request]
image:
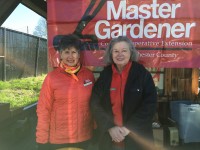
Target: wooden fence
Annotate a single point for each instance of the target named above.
(21, 55)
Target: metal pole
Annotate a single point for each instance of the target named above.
(37, 57)
(27, 30)
(4, 53)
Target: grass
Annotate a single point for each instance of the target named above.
(20, 92)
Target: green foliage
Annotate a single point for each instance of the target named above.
(21, 92)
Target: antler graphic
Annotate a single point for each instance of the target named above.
(90, 42)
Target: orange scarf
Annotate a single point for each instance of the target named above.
(71, 70)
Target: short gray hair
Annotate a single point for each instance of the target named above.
(108, 53)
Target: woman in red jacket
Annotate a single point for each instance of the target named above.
(64, 117)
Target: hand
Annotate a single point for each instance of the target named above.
(116, 134)
(43, 146)
(124, 131)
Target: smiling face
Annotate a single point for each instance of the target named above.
(121, 54)
(70, 56)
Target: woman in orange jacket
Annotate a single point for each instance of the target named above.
(64, 117)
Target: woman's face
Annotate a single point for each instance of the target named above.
(70, 56)
(121, 54)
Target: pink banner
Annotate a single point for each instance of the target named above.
(166, 33)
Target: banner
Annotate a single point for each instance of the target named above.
(165, 33)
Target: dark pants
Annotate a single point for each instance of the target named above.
(114, 147)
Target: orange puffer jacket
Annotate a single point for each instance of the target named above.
(63, 108)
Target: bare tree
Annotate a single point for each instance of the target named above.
(41, 28)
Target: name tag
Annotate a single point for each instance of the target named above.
(112, 89)
(87, 82)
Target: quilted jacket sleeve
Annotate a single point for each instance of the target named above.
(43, 111)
